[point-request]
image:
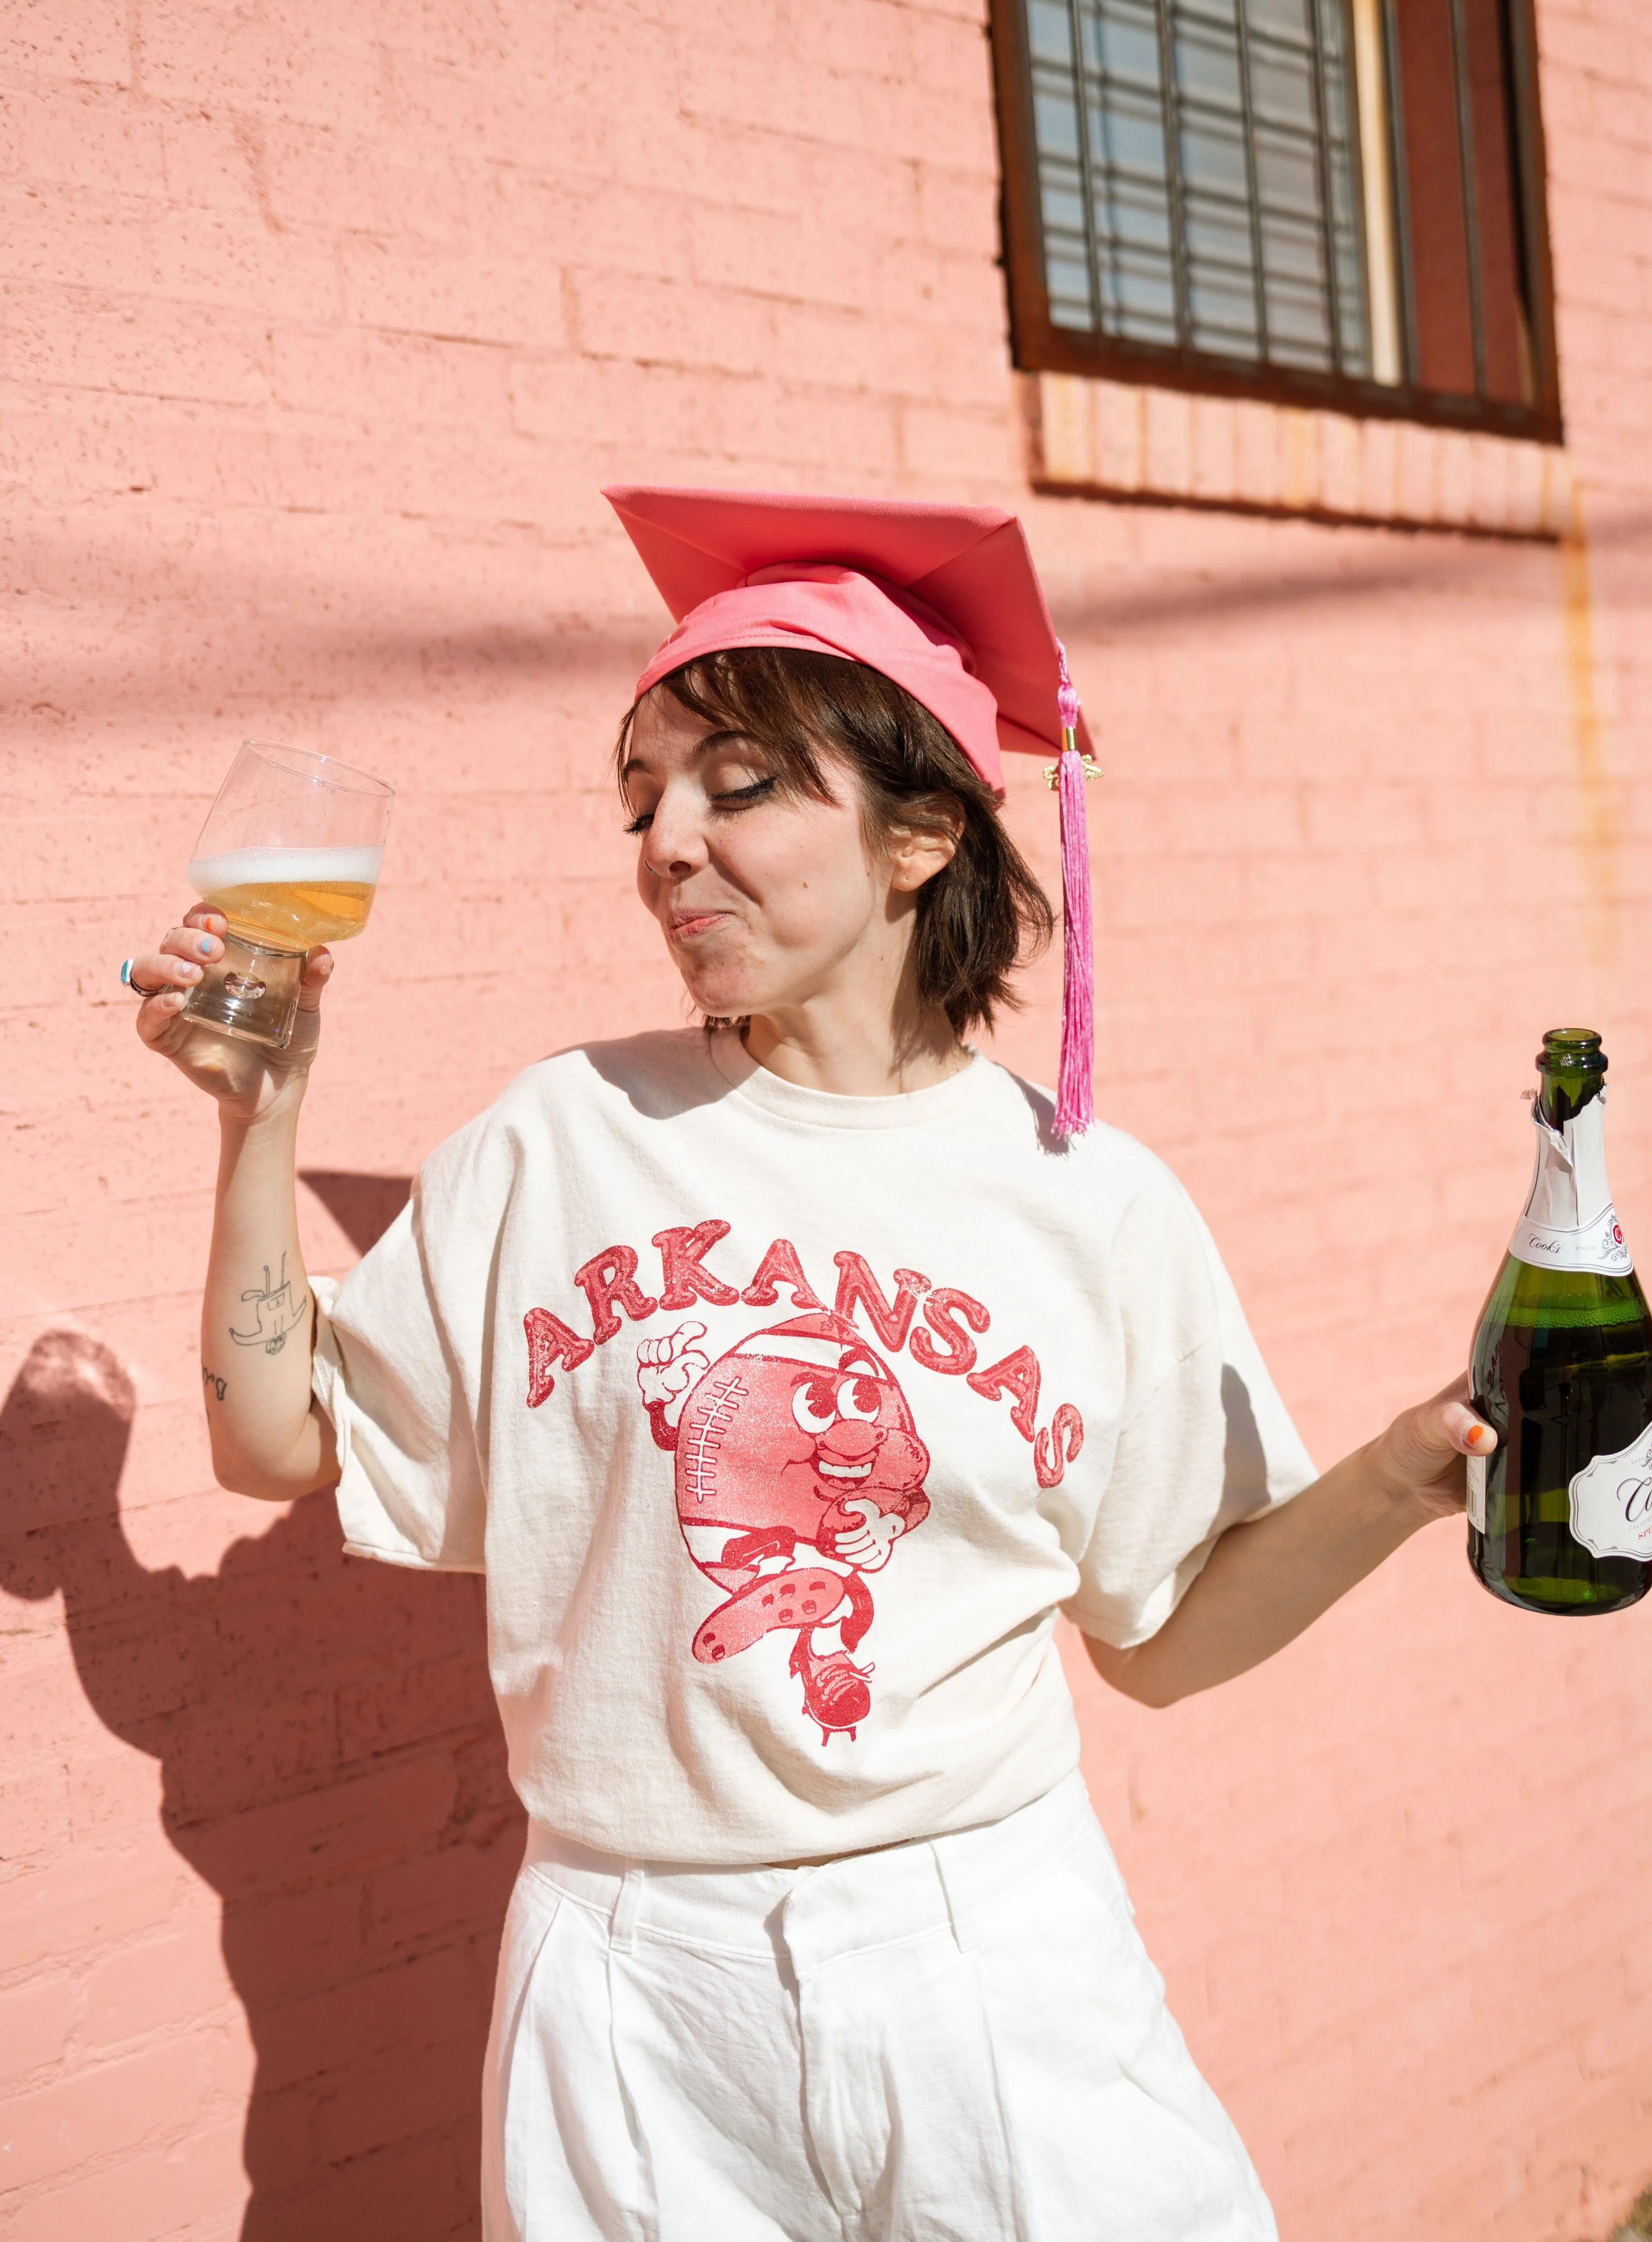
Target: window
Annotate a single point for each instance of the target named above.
(1326, 202)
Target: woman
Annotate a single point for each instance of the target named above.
(787, 1377)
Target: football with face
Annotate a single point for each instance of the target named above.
(782, 1431)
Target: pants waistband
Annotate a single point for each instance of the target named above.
(820, 1913)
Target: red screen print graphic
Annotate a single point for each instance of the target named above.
(798, 1468)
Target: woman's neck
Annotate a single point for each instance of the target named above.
(856, 1057)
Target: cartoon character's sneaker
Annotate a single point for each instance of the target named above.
(835, 1691)
(804, 1597)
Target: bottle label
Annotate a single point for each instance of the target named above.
(1612, 1502)
(1598, 1245)
(1477, 1493)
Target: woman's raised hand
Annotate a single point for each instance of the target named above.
(246, 1078)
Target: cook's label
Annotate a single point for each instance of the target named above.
(1612, 1502)
(1477, 1493)
(1598, 1245)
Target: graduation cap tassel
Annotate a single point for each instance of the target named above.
(1075, 1097)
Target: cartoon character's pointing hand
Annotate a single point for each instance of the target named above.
(667, 1368)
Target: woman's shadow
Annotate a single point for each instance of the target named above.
(331, 1764)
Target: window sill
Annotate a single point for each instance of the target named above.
(1112, 440)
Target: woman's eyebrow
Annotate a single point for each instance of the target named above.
(637, 763)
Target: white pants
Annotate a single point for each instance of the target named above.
(957, 2041)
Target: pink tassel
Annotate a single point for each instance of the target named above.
(1075, 1094)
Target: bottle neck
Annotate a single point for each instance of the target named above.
(1569, 1222)
(1569, 1181)
(1565, 1091)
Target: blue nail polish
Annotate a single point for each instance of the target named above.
(206, 947)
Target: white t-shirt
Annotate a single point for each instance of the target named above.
(783, 1426)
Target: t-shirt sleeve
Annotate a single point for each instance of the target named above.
(410, 1483)
(1204, 1441)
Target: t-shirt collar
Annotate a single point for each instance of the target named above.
(754, 1085)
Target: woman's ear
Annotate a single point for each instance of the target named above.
(917, 853)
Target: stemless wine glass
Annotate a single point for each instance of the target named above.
(290, 854)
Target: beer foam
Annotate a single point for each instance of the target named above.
(270, 868)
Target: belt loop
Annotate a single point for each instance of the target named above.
(622, 1922)
(963, 1934)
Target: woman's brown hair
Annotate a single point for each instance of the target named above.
(980, 917)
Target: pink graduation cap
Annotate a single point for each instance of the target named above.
(943, 598)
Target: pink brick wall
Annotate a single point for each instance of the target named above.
(323, 326)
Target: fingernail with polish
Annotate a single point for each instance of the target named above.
(204, 947)
(189, 972)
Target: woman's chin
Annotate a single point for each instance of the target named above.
(720, 999)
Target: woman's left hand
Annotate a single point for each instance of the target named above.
(1419, 1459)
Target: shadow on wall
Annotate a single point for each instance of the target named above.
(363, 1207)
(332, 1766)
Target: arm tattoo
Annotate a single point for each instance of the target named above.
(274, 1312)
(213, 1383)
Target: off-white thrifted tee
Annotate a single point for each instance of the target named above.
(721, 1382)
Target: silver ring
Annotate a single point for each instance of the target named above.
(137, 987)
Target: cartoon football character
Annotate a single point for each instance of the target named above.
(798, 1468)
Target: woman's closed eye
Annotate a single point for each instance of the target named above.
(741, 797)
(730, 799)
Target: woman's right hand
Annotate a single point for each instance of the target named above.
(247, 1079)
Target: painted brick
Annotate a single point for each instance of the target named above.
(154, 2197)
(450, 292)
(332, 180)
(370, 2105)
(106, 247)
(407, 2003)
(324, 334)
(78, 40)
(35, 2019)
(102, 2110)
(64, 338)
(359, 376)
(83, 1902)
(413, 1899)
(175, 1980)
(109, 143)
(284, 66)
(972, 450)
(420, 2191)
(312, 1838)
(294, 1943)
(670, 323)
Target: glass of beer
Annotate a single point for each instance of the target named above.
(290, 853)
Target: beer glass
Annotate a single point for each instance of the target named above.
(290, 854)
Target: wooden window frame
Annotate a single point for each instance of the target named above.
(1038, 347)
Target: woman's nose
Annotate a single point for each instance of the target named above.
(674, 845)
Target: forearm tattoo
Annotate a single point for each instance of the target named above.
(213, 1383)
(275, 1313)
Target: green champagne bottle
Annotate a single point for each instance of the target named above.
(1560, 1519)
